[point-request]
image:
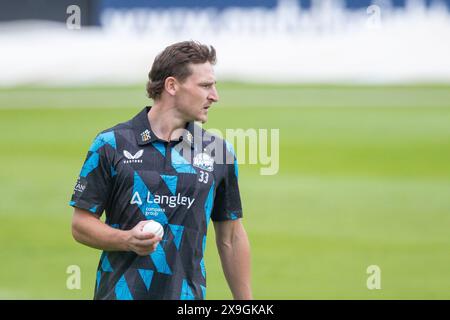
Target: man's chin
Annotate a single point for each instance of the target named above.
(202, 119)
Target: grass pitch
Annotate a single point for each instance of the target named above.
(364, 180)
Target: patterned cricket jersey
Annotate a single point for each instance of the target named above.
(132, 176)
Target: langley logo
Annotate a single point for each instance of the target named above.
(171, 201)
(133, 158)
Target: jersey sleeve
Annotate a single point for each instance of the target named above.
(94, 183)
(227, 202)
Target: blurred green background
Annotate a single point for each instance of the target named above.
(364, 180)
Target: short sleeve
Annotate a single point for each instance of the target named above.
(94, 183)
(227, 202)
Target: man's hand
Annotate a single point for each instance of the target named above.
(140, 242)
(88, 229)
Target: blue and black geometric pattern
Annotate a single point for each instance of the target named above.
(132, 180)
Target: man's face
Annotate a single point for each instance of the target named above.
(197, 93)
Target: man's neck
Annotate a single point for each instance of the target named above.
(166, 122)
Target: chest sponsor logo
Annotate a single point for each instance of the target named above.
(133, 158)
(204, 162)
(171, 201)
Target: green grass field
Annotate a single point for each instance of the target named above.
(364, 180)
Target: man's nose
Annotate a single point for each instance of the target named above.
(213, 95)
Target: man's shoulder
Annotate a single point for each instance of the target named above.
(111, 137)
(119, 128)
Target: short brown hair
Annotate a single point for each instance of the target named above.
(174, 62)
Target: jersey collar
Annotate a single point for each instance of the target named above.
(144, 134)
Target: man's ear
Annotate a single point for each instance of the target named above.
(171, 85)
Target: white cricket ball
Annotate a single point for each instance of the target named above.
(154, 227)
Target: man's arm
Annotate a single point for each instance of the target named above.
(91, 231)
(234, 251)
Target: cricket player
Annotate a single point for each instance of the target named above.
(159, 166)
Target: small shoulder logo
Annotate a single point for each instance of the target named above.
(80, 186)
(133, 158)
(145, 136)
(204, 162)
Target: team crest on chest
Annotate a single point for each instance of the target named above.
(204, 162)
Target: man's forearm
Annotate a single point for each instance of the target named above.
(92, 232)
(236, 264)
